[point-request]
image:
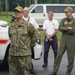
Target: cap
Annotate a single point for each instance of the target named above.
(19, 8)
(68, 9)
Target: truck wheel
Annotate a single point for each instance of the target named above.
(5, 61)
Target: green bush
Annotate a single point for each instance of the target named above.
(8, 19)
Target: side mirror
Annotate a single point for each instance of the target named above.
(3, 23)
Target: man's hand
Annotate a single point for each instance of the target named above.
(70, 28)
(49, 38)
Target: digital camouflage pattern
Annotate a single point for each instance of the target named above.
(22, 37)
(19, 65)
(33, 40)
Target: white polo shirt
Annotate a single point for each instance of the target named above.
(50, 26)
(32, 21)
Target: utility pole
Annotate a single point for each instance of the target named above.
(6, 5)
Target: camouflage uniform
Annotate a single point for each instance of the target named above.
(21, 37)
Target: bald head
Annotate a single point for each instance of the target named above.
(26, 11)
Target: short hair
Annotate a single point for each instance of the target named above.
(50, 12)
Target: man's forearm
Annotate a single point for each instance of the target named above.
(54, 33)
(45, 33)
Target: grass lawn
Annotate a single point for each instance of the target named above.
(8, 19)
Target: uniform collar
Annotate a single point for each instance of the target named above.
(22, 24)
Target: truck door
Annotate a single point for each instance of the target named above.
(3, 40)
(0, 41)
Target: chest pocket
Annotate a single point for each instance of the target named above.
(23, 37)
(22, 32)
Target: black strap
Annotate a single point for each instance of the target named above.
(28, 19)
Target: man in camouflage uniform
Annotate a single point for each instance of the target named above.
(67, 27)
(22, 36)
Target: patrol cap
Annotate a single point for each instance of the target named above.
(67, 9)
(19, 8)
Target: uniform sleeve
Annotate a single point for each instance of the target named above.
(32, 34)
(73, 28)
(72, 31)
(9, 31)
(65, 29)
(31, 29)
(61, 26)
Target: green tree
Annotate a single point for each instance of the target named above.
(64, 1)
(13, 3)
(0, 6)
(72, 1)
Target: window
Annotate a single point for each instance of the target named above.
(57, 9)
(38, 9)
(31, 7)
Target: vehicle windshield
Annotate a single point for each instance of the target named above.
(31, 7)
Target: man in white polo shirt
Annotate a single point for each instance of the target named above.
(30, 19)
(50, 28)
(33, 22)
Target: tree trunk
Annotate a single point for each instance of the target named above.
(6, 4)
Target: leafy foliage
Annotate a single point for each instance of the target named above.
(0, 5)
(14, 3)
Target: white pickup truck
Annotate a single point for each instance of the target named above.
(5, 43)
(40, 11)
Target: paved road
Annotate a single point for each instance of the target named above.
(38, 66)
(62, 70)
(3, 70)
